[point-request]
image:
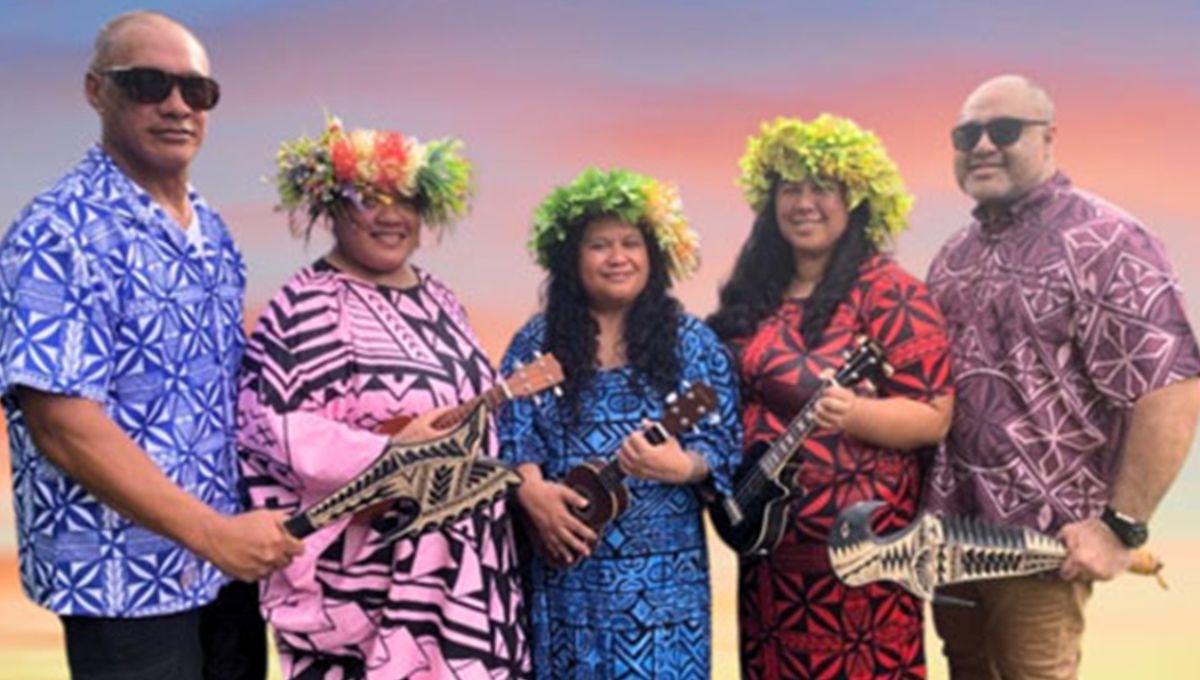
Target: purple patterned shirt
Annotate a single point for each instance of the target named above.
(1062, 312)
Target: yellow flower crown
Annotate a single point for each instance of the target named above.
(828, 148)
(632, 198)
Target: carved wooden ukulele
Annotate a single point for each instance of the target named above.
(437, 481)
(433, 478)
(936, 550)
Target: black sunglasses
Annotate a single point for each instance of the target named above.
(1002, 131)
(146, 85)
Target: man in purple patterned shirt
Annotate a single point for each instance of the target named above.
(1076, 380)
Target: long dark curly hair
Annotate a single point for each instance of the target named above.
(651, 327)
(765, 268)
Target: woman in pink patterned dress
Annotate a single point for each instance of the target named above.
(357, 338)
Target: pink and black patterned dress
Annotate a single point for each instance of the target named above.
(331, 358)
(797, 620)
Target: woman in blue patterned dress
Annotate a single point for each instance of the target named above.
(632, 602)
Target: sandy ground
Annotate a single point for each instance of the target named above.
(1135, 630)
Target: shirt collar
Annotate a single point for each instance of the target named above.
(995, 221)
(138, 204)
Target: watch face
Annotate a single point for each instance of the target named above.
(1129, 531)
(1137, 535)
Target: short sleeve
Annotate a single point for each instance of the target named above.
(56, 313)
(1132, 328)
(719, 438)
(520, 438)
(899, 313)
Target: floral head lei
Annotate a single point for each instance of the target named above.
(828, 148)
(632, 198)
(344, 167)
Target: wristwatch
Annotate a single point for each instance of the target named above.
(1129, 531)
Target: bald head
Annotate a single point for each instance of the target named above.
(1009, 120)
(1016, 93)
(120, 36)
(138, 57)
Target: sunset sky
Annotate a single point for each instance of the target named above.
(539, 90)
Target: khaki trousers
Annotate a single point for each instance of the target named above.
(1026, 628)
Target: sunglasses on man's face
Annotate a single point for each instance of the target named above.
(1002, 131)
(146, 85)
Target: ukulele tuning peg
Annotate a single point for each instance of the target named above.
(687, 384)
(672, 398)
(557, 391)
(714, 418)
(537, 400)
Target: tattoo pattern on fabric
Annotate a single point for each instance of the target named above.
(797, 619)
(104, 297)
(331, 358)
(638, 607)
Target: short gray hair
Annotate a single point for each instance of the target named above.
(107, 38)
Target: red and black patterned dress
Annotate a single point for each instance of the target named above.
(797, 619)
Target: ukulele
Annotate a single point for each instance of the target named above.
(542, 373)
(601, 481)
(754, 519)
(434, 481)
(424, 476)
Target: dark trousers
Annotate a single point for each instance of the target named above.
(225, 640)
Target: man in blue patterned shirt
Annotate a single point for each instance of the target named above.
(120, 337)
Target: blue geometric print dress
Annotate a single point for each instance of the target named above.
(639, 606)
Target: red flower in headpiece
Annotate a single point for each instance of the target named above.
(391, 153)
(345, 165)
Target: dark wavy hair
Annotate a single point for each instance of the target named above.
(651, 327)
(765, 268)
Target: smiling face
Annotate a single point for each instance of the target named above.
(150, 140)
(376, 239)
(614, 264)
(997, 176)
(812, 216)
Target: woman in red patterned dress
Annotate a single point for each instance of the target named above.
(810, 278)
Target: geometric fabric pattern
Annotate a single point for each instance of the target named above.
(796, 618)
(103, 297)
(332, 357)
(1063, 311)
(638, 607)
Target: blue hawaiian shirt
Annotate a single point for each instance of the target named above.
(103, 297)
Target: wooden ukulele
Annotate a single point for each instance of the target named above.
(436, 480)
(542, 373)
(433, 481)
(754, 519)
(601, 481)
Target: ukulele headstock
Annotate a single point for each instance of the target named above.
(529, 379)
(864, 362)
(689, 407)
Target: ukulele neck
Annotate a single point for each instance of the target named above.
(494, 397)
